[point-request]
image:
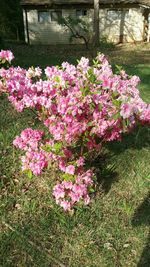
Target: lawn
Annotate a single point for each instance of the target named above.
(114, 230)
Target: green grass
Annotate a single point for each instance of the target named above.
(143, 71)
(112, 232)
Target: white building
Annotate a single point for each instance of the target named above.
(120, 21)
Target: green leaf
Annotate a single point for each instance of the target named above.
(116, 116)
(57, 79)
(92, 105)
(124, 125)
(100, 106)
(57, 147)
(3, 61)
(91, 190)
(85, 91)
(90, 123)
(127, 122)
(91, 76)
(68, 177)
(118, 68)
(114, 94)
(47, 148)
(116, 102)
(28, 173)
(99, 82)
(95, 62)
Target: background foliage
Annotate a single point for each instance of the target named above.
(11, 20)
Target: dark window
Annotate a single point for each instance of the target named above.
(81, 12)
(56, 15)
(43, 16)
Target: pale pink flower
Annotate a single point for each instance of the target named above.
(70, 169)
(58, 191)
(80, 161)
(66, 205)
(6, 55)
(126, 110)
(67, 184)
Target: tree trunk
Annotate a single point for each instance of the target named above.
(96, 23)
(146, 25)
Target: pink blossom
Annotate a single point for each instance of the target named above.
(33, 72)
(67, 184)
(81, 189)
(126, 110)
(80, 161)
(75, 196)
(68, 194)
(70, 169)
(6, 55)
(86, 200)
(35, 161)
(68, 154)
(62, 165)
(145, 116)
(66, 205)
(58, 191)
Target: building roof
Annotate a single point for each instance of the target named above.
(87, 2)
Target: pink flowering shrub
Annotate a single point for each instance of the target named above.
(82, 107)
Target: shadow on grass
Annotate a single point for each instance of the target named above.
(142, 216)
(138, 139)
(106, 173)
(105, 165)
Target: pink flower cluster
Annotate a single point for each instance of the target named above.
(33, 72)
(82, 107)
(34, 159)
(6, 55)
(29, 139)
(69, 194)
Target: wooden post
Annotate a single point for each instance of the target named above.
(27, 28)
(96, 23)
(146, 25)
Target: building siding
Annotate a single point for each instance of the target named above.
(127, 27)
(48, 32)
(115, 26)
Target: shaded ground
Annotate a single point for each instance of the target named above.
(50, 54)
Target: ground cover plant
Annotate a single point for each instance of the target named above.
(103, 211)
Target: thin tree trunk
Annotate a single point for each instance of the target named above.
(146, 25)
(96, 23)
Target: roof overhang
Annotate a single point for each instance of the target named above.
(84, 3)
